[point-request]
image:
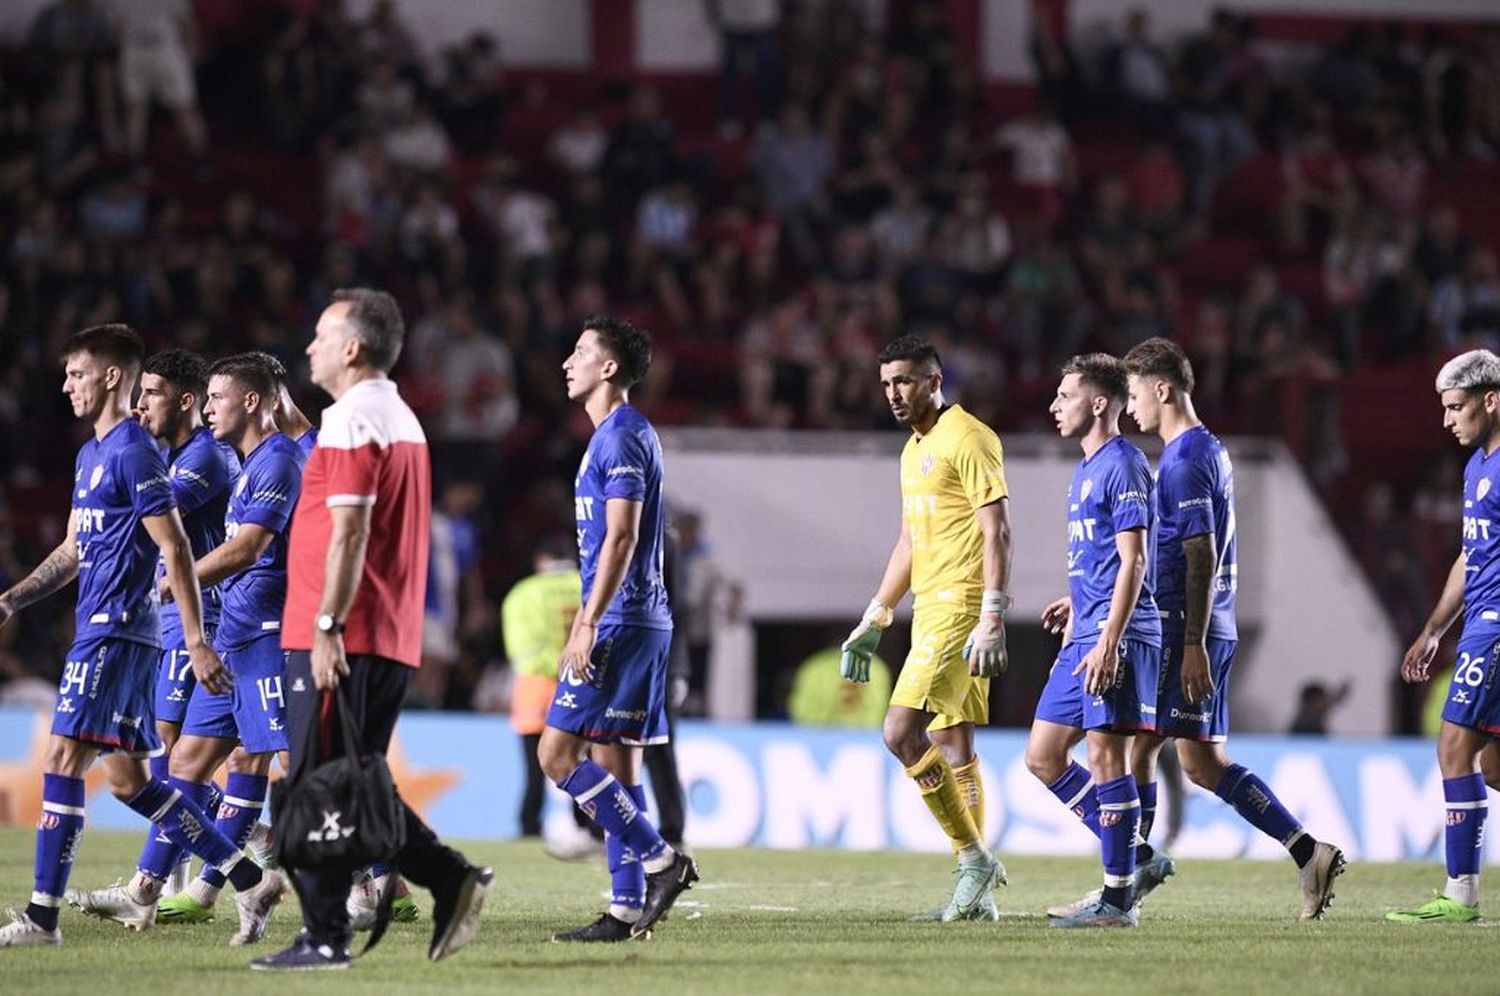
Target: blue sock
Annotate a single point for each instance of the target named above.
(1075, 789)
(57, 835)
(609, 804)
(627, 878)
(176, 808)
(239, 810)
(1119, 821)
(159, 855)
(1148, 808)
(1254, 800)
(1464, 838)
(380, 869)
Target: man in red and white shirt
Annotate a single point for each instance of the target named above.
(356, 583)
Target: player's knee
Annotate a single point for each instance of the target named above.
(908, 743)
(125, 780)
(1046, 765)
(557, 759)
(1203, 770)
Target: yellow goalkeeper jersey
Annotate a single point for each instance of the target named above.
(945, 476)
(535, 620)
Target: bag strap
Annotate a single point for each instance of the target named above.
(346, 723)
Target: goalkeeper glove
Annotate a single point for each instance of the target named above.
(854, 665)
(985, 649)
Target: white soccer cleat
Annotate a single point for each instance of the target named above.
(1066, 911)
(364, 901)
(22, 932)
(114, 903)
(255, 907)
(1316, 878)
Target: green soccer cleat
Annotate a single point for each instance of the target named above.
(183, 908)
(1440, 910)
(404, 910)
(976, 880)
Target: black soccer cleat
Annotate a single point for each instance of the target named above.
(662, 890)
(305, 955)
(455, 912)
(605, 930)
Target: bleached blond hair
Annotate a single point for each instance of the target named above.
(1475, 370)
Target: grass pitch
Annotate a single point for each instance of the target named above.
(808, 923)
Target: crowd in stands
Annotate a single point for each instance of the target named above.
(843, 184)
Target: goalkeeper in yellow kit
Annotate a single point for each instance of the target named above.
(953, 553)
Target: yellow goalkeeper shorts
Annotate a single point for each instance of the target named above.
(935, 677)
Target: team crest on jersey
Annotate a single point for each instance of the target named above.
(1482, 489)
(96, 477)
(926, 466)
(1086, 490)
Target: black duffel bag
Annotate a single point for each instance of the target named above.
(339, 812)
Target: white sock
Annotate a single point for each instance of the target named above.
(205, 894)
(629, 914)
(660, 862)
(971, 852)
(143, 889)
(1464, 889)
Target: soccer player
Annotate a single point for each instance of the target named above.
(1111, 633)
(1469, 388)
(953, 553)
(1194, 575)
(123, 514)
(290, 420)
(250, 567)
(200, 471)
(612, 678)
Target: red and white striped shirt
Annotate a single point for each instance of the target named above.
(371, 451)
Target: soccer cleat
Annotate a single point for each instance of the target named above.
(255, 907)
(183, 908)
(455, 913)
(1316, 877)
(113, 903)
(260, 848)
(605, 930)
(1101, 914)
(1440, 910)
(1150, 874)
(976, 879)
(363, 903)
(1077, 906)
(23, 932)
(304, 956)
(582, 847)
(662, 890)
(988, 911)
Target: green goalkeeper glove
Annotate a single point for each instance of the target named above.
(854, 665)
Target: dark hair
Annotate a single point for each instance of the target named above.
(630, 346)
(1158, 357)
(376, 319)
(115, 344)
(914, 348)
(1104, 372)
(557, 546)
(185, 370)
(274, 365)
(250, 372)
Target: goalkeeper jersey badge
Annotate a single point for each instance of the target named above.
(1481, 489)
(926, 465)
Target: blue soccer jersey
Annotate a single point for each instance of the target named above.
(1195, 497)
(1110, 493)
(201, 472)
(118, 481)
(264, 495)
(624, 460)
(307, 441)
(1482, 543)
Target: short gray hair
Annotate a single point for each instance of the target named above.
(376, 320)
(1476, 370)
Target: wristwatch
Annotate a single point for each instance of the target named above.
(329, 625)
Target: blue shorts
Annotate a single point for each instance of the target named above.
(104, 698)
(175, 679)
(1162, 702)
(1474, 692)
(254, 712)
(1119, 709)
(626, 702)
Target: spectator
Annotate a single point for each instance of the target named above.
(157, 38)
(642, 149)
(455, 610)
(1041, 158)
(1141, 74)
(747, 32)
(1315, 703)
(1469, 303)
(417, 142)
(474, 376)
(1044, 307)
(794, 163)
(579, 145)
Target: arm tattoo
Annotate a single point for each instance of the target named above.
(1201, 564)
(51, 575)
